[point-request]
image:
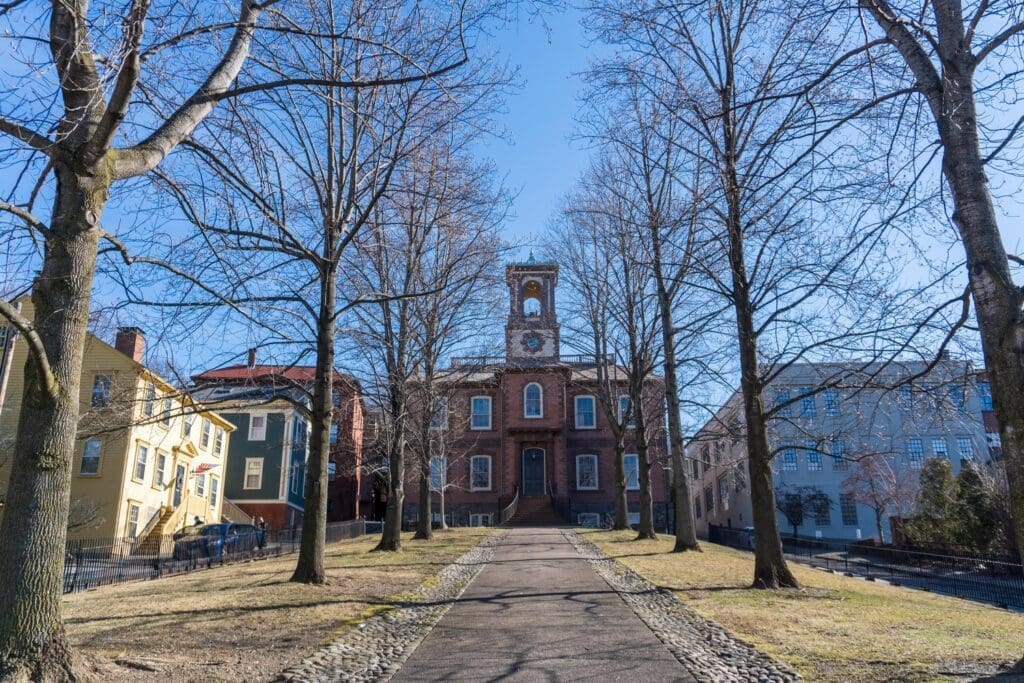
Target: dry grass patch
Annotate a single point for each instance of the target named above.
(246, 622)
(836, 628)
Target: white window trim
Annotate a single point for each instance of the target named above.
(160, 476)
(440, 411)
(245, 475)
(591, 520)
(540, 415)
(490, 412)
(597, 481)
(135, 465)
(205, 434)
(99, 459)
(214, 490)
(576, 406)
(220, 435)
(632, 422)
(626, 471)
(478, 519)
(490, 473)
(252, 432)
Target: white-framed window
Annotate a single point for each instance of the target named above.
(832, 408)
(533, 400)
(165, 414)
(814, 463)
(296, 474)
(591, 520)
(985, 395)
(149, 405)
(586, 414)
(204, 436)
(782, 397)
(438, 472)
(624, 410)
(631, 463)
(723, 493)
(915, 452)
(807, 403)
(965, 447)
(955, 394)
(939, 449)
(187, 422)
(299, 428)
(141, 461)
(439, 418)
(586, 472)
(91, 452)
(907, 397)
(789, 457)
(201, 484)
(214, 490)
(133, 520)
(480, 519)
(160, 476)
(480, 412)
(253, 474)
(218, 443)
(839, 461)
(480, 473)
(257, 427)
(100, 390)
(848, 509)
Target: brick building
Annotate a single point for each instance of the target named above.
(532, 422)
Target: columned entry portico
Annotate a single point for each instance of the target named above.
(533, 472)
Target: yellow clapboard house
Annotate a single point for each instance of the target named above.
(148, 460)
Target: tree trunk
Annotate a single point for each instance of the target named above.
(424, 528)
(878, 522)
(646, 527)
(310, 566)
(686, 531)
(620, 520)
(998, 302)
(391, 536)
(440, 504)
(34, 528)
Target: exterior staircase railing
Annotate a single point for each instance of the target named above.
(142, 540)
(510, 510)
(233, 513)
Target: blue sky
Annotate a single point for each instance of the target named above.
(539, 158)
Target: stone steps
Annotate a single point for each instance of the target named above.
(535, 511)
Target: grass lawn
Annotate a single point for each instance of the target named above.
(836, 628)
(247, 622)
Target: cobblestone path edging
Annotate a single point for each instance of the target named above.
(708, 651)
(377, 648)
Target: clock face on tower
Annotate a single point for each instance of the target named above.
(532, 342)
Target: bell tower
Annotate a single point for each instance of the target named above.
(532, 330)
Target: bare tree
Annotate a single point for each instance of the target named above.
(877, 483)
(640, 136)
(961, 61)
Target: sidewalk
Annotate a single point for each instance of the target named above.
(538, 611)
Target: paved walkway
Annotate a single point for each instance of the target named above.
(539, 612)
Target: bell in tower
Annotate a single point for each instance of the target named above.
(531, 333)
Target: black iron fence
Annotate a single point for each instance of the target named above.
(990, 580)
(89, 563)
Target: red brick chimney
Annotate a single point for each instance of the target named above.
(131, 342)
(252, 358)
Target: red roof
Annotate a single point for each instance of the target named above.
(246, 373)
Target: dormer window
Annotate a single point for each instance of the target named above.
(533, 400)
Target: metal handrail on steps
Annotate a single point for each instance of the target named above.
(510, 509)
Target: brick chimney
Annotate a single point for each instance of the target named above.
(252, 358)
(131, 342)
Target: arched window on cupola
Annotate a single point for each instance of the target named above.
(532, 299)
(533, 400)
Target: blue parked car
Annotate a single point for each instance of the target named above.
(216, 541)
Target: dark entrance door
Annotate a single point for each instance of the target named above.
(533, 472)
(179, 484)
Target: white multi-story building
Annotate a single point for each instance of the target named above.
(836, 421)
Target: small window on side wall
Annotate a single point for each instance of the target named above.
(586, 417)
(631, 464)
(480, 473)
(257, 427)
(91, 457)
(586, 472)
